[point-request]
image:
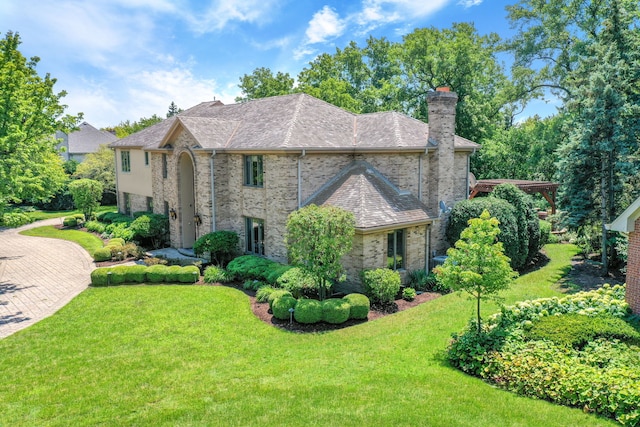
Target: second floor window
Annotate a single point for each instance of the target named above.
(165, 167)
(126, 161)
(253, 172)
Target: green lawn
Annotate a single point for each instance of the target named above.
(90, 242)
(196, 355)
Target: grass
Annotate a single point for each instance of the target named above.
(90, 242)
(38, 215)
(196, 355)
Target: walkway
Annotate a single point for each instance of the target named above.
(38, 276)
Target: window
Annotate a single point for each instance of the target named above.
(395, 250)
(146, 158)
(164, 166)
(255, 235)
(126, 161)
(149, 204)
(253, 171)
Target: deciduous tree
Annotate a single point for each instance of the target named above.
(263, 83)
(86, 195)
(30, 115)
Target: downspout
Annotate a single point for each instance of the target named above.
(213, 193)
(468, 171)
(115, 162)
(304, 153)
(427, 248)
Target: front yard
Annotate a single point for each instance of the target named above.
(196, 355)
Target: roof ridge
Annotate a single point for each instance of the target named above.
(296, 114)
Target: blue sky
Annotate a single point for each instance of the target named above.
(126, 59)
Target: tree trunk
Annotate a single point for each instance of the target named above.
(604, 197)
(478, 309)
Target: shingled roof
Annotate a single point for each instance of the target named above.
(288, 123)
(87, 139)
(373, 199)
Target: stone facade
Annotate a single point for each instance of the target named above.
(633, 269)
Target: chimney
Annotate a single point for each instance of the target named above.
(442, 124)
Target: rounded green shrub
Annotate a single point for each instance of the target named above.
(136, 273)
(408, 294)
(250, 267)
(214, 274)
(281, 306)
(173, 274)
(221, 246)
(100, 277)
(308, 311)
(70, 222)
(545, 232)
(299, 282)
(335, 311)
(381, 285)
(157, 273)
(116, 241)
(189, 274)
(102, 254)
(119, 274)
(275, 271)
(262, 294)
(275, 295)
(504, 211)
(360, 306)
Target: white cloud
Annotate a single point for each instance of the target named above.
(224, 12)
(469, 3)
(380, 12)
(325, 24)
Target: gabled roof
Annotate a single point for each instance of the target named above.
(373, 199)
(625, 223)
(87, 139)
(288, 123)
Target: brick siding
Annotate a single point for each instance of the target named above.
(633, 269)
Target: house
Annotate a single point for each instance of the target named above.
(629, 222)
(245, 167)
(77, 144)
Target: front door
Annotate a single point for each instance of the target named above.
(187, 201)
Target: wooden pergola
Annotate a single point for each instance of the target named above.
(546, 188)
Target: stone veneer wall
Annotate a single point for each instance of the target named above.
(633, 269)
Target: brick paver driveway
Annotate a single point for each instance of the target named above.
(38, 276)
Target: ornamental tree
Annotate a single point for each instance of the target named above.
(477, 264)
(317, 238)
(86, 195)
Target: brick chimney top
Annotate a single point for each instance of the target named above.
(443, 89)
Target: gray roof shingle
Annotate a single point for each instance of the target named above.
(375, 202)
(289, 122)
(87, 139)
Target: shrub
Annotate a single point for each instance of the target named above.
(381, 285)
(275, 295)
(420, 280)
(280, 307)
(100, 216)
(335, 311)
(250, 267)
(504, 211)
(14, 219)
(189, 274)
(545, 232)
(408, 294)
(360, 306)
(118, 274)
(575, 330)
(102, 254)
(99, 277)
(172, 274)
(152, 228)
(136, 274)
(252, 285)
(213, 274)
(262, 294)
(308, 311)
(116, 241)
(275, 271)
(221, 246)
(157, 273)
(113, 217)
(95, 227)
(299, 282)
(155, 261)
(70, 222)
(119, 229)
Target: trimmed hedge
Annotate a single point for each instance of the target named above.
(308, 311)
(189, 274)
(281, 306)
(335, 311)
(140, 273)
(157, 273)
(381, 285)
(116, 241)
(360, 306)
(102, 254)
(278, 293)
(136, 274)
(99, 277)
(119, 274)
(172, 273)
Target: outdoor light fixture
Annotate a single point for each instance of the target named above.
(173, 214)
(197, 220)
(291, 310)
(195, 277)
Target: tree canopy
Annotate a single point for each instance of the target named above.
(99, 166)
(30, 114)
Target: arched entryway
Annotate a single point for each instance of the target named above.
(186, 194)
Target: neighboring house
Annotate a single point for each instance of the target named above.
(79, 143)
(629, 222)
(245, 167)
